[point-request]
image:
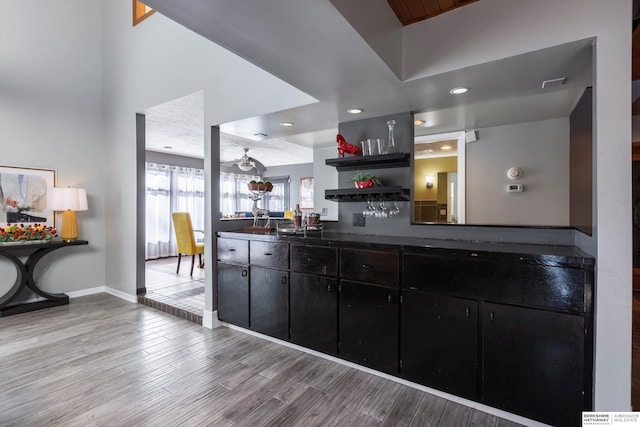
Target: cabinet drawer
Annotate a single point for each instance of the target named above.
(233, 250)
(461, 274)
(377, 267)
(536, 285)
(269, 254)
(314, 260)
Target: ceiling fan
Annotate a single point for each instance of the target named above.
(246, 163)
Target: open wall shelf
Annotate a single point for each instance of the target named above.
(393, 160)
(362, 194)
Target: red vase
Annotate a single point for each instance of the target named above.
(364, 184)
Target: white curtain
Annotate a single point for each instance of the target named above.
(171, 189)
(234, 193)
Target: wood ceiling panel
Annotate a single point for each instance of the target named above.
(410, 11)
(401, 10)
(447, 5)
(431, 7)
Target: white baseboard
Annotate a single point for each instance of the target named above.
(469, 403)
(85, 292)
(122, 295)
(210, 319)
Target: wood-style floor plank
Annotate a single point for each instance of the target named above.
(101, 361)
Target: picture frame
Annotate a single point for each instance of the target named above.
(23, 196)
(306, 193)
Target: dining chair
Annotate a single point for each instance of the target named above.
(186, 239)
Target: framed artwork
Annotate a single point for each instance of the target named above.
(23, 195)
(306, 193)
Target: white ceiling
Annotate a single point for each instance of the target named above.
(177, 127)
(331, 61)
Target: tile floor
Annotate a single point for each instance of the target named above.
(179, 294)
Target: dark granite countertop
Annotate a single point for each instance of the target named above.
(546, 254)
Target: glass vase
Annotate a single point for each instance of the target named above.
(391, 142)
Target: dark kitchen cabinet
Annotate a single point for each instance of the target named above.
(533, 363)
(314, 312)
(269, 302)
(440, 342)
(369, 325)
(510, 326)
(233, 294)
(233, 281)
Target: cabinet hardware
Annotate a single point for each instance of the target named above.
(284, 280)
(366, 266)
(329, 288)
(492, 316)
(311, 259)
(389, 297)
(467, 312)
(268, 253)
(244, 273)
(232, 250)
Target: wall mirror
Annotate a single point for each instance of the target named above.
(462, 155)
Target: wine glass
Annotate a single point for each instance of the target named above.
(369, 210)
(395, 210)
(381, 210)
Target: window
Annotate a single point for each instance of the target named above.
(278, 199)
(170, 189)
(234, 194)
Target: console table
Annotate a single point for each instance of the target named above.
(25, 275)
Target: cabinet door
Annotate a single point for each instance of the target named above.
(369, 325)
(533, 363)
(233, 294)
(269, 299)
(440, 342)
(314, 312)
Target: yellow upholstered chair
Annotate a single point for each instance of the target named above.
(186, 240)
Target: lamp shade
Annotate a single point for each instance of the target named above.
(63, 199)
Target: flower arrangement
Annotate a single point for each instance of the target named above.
(22, 233)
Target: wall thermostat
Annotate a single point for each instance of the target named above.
(515, 188)
(514, 173)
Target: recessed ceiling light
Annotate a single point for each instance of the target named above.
(458, 90)
(445, 147)
(418, 122)
(286, 124)
(168, 147)
(354, 110)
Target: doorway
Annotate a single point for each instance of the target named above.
(171, 176)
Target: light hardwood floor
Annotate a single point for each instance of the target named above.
(101, 361)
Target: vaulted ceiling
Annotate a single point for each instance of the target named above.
(317, 47)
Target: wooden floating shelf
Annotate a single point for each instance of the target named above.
(362, 194)
(393, 160)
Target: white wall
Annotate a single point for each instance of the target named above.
(156, 61)
(294, 172)
(490, 30)
(541, 151)
(51, 118)
(325, 178)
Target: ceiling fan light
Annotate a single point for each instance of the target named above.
(245, 167)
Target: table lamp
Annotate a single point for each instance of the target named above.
(68, 200)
